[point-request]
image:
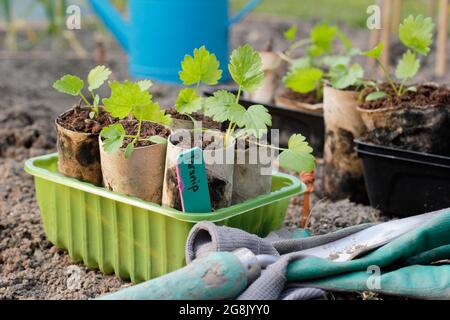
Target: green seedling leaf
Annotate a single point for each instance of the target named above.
(96, 101)
(291, 33)
(303, 80)
(304, 62)
(129, 150)
(218, 107)
(376, 95)
(408, 66)
(255, 120)
(412, 89)
(298, 156)
(152, 112)
(375, 52)
(345, 40)
(97, 77)
(145, 84)
(202, 67)
(333, 61)
(69, 84)
(114, 135)
(416, 33)
(188, 101)
(91, 115)
(342, 77)
(124, 98)
(246, 68)
(322, 37)
(157, 139)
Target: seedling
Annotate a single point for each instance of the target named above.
(308, 73)
(246, 70)
(131, 100)
(416, 34)
(202, 67)
(73, 85)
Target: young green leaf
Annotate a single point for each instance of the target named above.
(333, 61)
(298, 156)
(157, 139)
(151, 112)
(411, 89)
(408, 66)
(345, 40)
(303, 80)
(97, 77)
(304, 62)
(69, 84)
(129, 150)
(114, 135)
(291, 33)
(417, 33)
(124, 97)
(202, 67)
(218, 107)
(254, 120)
(188, 101)
(376, 95)
(342, 77)
(323, 35)
(375, 52)
(145, 84)
(246, 68)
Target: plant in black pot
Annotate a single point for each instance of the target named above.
(408, 131)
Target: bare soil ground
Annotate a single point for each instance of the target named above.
(30, 266)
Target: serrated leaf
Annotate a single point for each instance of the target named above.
(417, 33)
(152, 112)
(246, 68)
(255, 120)
(376, 95)
(298, 156)
(157, 139)
(69, 84)
(114, 135)
(129, 150)
(188, 101)
(303, 80)
(290, 33)
(219, 105)
(408, 66)
(97, 77)
(124, 97)
(322, 36)
(298, 142)
(375, 52)
(202, 67)
(342, 77)
(145, 84)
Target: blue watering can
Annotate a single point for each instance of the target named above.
(160, 32)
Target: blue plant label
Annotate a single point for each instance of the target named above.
(193, 182)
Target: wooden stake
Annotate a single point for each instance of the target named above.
(441, 52)
(396, 14)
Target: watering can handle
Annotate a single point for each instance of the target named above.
(244, 11)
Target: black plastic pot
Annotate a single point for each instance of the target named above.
(289, 121)
(402, 182)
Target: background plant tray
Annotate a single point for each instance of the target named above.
(135, 239)
(402, 182)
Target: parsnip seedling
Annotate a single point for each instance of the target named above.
(131, 100)
(73, 85)
(246, 70)
(416, 34)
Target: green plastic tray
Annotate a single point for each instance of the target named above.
(135, 239)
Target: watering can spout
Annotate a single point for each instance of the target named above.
(113, 20)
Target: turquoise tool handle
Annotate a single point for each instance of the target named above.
(220, 275)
